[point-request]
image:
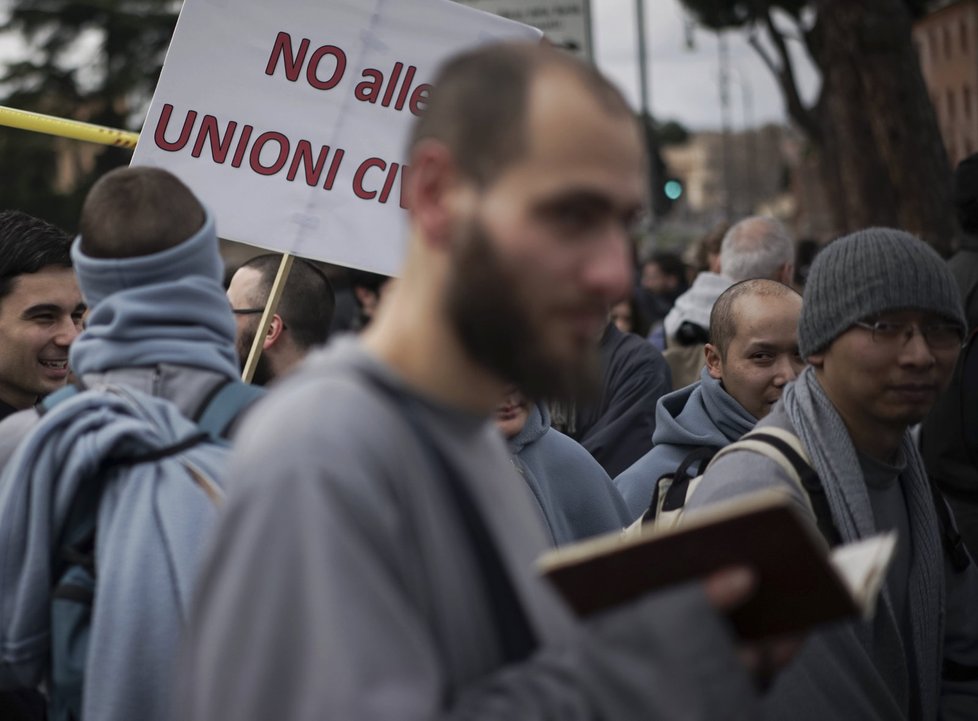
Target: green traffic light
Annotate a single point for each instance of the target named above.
(673, 189)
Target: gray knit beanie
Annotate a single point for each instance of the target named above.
(869, 272)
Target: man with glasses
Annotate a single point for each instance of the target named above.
(301, 322)
(881, 327)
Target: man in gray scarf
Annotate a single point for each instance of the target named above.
(881, 326)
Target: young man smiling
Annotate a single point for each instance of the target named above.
(881, 327)
(751, 356)
(40, 314)
(41, 310)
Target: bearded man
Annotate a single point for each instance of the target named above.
(376, 560)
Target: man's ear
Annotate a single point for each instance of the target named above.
(431, 181)
(787, 273)
(714, 364)
(275, 329)
(816, 359)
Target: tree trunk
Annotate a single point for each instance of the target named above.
(849, 147)
(876, 111)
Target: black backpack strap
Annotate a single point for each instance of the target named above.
(676, 495)
(157, 454)
(810, 482)
(960, 560)
(953, 543)
(517, 637)
(224, 404)
(969, 396)
(960, 672)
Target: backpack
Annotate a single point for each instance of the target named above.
(673, 489)
(669, 496)
(75, 572)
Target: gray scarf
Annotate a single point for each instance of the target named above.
(824, 435)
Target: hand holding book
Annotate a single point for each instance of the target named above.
(798, 582)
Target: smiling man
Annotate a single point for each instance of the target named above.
(40, 314)
(41, 309)
(751, 356)
(881, 327)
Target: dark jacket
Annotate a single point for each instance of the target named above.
(941, 439)
(617, 430)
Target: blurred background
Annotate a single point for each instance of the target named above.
(829, 114)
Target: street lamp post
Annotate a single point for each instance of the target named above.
(646, 109)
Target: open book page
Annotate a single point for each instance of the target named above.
(862, 566)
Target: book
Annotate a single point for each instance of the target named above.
(800, 583)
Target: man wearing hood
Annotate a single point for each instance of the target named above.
(148, 266)
(753, 353)
(573, 494)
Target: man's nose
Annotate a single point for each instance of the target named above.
(785, 371)
(67, 331)
(609, 270)
(916, 351)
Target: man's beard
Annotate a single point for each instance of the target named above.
(486, 308)
(263, 371)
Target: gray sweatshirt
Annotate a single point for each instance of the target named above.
(343, 586)
(863, 669)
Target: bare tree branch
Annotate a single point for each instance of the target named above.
(763, 53)
(785, 75)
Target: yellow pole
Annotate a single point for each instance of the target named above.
(39, 123)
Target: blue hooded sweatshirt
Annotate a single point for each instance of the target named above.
(573, 493)
(701, 414)
(159, 322)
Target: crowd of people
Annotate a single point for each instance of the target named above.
(353, 535)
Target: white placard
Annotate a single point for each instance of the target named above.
(566, 23)
(289, 118)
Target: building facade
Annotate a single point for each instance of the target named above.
(946, 41)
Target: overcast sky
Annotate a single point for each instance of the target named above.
(683, 81)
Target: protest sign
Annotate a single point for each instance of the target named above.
(289, 119)
(565, 23)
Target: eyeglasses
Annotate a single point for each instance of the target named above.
(940, 336)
